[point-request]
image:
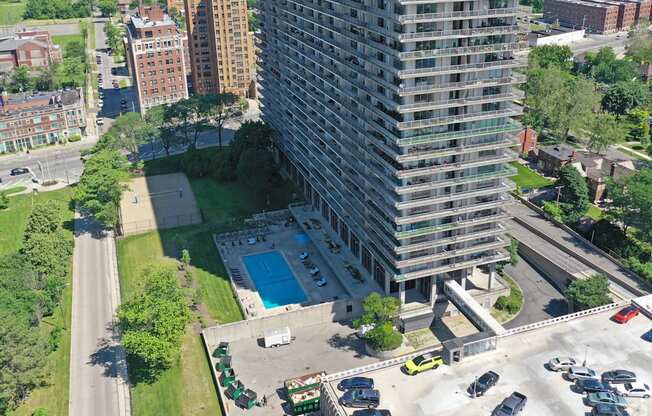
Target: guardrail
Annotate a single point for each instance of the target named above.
(564, 318)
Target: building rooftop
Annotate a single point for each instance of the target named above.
(13, 44)
(587, 3)
(559, 152)
(16, 102)
(141, 22)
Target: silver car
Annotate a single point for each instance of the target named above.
(561, 363)
(580, 373)
(633, 390)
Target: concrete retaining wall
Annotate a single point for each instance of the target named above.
(310, 315)
(559, 276)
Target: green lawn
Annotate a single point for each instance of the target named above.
(64, 40)
(594, 212)
(527, 178)
(187, 389)
(11, 13)
(54, 397)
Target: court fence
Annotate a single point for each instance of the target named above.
(170, 221)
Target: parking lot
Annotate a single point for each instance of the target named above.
(520, 362)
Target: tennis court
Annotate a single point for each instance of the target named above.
(157, 202)
(274, 280)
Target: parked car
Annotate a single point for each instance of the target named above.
(361, 398)
(303, 255)
(511, 406)
(608, 410)
(19, 171)
(314, 270)
(592, 385)
(619, 376)
(99, 121)
(356, 383)
(423, 363)
(561, 363)
(580, 373)
(115, 84)
(633, 390)
(483, 383)
(321, 282)
(648, 335)
(593, 399)
(372, 412)
(626, 314)
(251, 241)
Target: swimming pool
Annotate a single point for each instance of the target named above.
(274, 280)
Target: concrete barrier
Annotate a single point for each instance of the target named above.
(341, 310)
(559, 276)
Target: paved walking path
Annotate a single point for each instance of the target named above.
(98, 374)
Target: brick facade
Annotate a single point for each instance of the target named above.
(28, 121)
(156, 58)
(33, 49)
(601, 16)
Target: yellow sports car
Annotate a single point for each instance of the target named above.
(422, 363)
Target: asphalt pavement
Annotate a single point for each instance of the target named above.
(98, 375)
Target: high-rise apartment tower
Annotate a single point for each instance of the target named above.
(395, 119)
(221, 47)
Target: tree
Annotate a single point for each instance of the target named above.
(548, 56)
(71, 73)
(574, 193)
(606, 69)
(44, 218)
(623, 96)
(21, 79)
(589, 293)
(4, 201)
(100, 186)
(75, 49)
(48, 254)
(640, 122)
(154, 321)
(130, 132)
(108, 7)
(380, 312)
(255, 168)
(639, 48)
(222, 108)
(630, 202)
(113, 36)
(605, 132)
(180, 114)
(553, 210)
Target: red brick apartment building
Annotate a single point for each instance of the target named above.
(30, 120)
(33, 49)
(600, 16)
(156, 58)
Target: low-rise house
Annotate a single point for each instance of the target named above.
(598, 169)
(29, 120)
(527, 140)
(553, 158)
(33, 49)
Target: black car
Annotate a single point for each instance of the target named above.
(372, 412)
(592, 385)
(361, 398)
(480, 386)
(19, 171)
(619, 376)
(608, 410)
(356, 383)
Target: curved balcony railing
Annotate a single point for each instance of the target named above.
(467, 14)
(458, 33)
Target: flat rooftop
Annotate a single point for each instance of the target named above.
(519, 360)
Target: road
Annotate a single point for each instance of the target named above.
(98, 376)
(541, 300)
(587, 255)
(593, 43)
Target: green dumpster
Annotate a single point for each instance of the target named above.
(224, 363)
(235, 390)
(221, 350)
(227, 377)
(247, 399)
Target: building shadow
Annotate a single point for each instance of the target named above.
(349, 343)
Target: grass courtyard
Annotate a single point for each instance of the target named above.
(187, 389)
(526, 178)
(54, 397)
(64, 40)
(11, 12)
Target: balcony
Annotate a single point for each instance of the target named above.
(457, 150)
(475, 207)
(433, 168)
(424, 185)
(506, 63)
(458, 102)
(485, 259)
(500, 229)
(503, 187)
(468, 14)
(513, 79)
(464, 50)
(511, 111)
(451, 253)
(459, 33)
(510, 127)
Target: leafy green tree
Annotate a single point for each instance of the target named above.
(100, 186)
(44, 218)
(623, 96)
(21, 79)
(573, 194)
(108, 7)
(75, 49)
(4, 201)
(255, 168)
(639, 48)
(548, 56)
(605, 68)
(589, 293)
(221, 109)
(605, 132)
(113, 36)
(640, 121)
(130, 132)
(57, 9)
(380, 312)
(251, 135)
(71, 73)
(154, 321)
(630, 202)
(554, 210)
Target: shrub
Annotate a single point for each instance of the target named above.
(4, 201)
(589, 293)
(384, 337)
(74, 138)
(511, 303)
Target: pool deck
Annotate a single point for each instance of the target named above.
(278, 237)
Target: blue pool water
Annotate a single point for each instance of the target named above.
(274, 280)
